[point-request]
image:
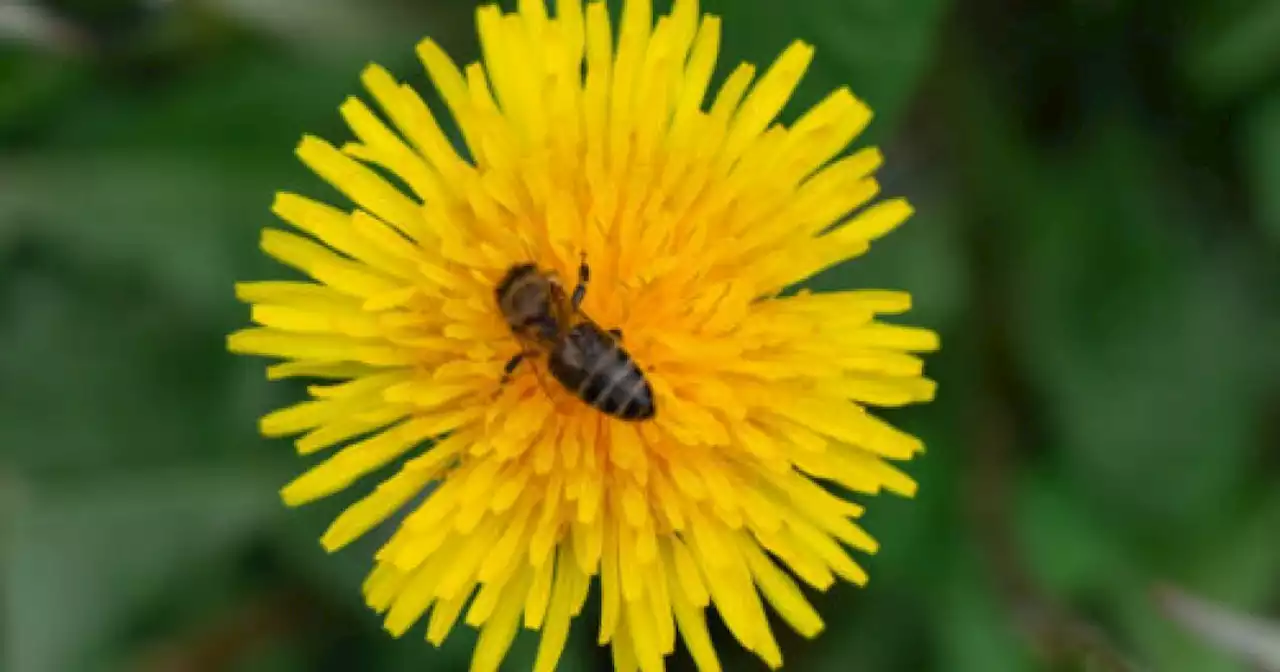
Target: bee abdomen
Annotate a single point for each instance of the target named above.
(599, 372)
(618, 388)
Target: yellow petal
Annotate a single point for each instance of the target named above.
(444, 615)
(693, 630)
(363, 186)
(500, 629)
(352, 462)
(334, 228)
(781, 591)
(556, 632)
(362, 516)
(539, 597)
(318, 262)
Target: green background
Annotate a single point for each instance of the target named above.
(1097, 188)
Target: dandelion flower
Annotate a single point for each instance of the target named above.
(697, 211)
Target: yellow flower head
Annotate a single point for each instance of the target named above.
(693, 212)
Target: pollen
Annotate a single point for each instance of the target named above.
(699, 213)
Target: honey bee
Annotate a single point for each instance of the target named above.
(586, 359)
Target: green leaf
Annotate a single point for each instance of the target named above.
(35, 85)
(878, 48)
(1146, 353)
(277, 657)
(101, 371)
(1064, 548)
(1260, 147)
(1233, 48)
(973, 629)
(82, 555)
(1240, 567)
(177, 181)
(188, 222)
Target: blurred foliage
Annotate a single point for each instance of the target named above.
(1098, 197)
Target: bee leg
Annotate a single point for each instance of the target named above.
(584, 276)
(616, 333)
(511, 367)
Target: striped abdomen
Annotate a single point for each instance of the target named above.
(591, 365)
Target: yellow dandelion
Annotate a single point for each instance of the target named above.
(693, 212)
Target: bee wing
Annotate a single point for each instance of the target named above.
(566, 315)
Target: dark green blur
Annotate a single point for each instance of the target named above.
(1097, 239)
